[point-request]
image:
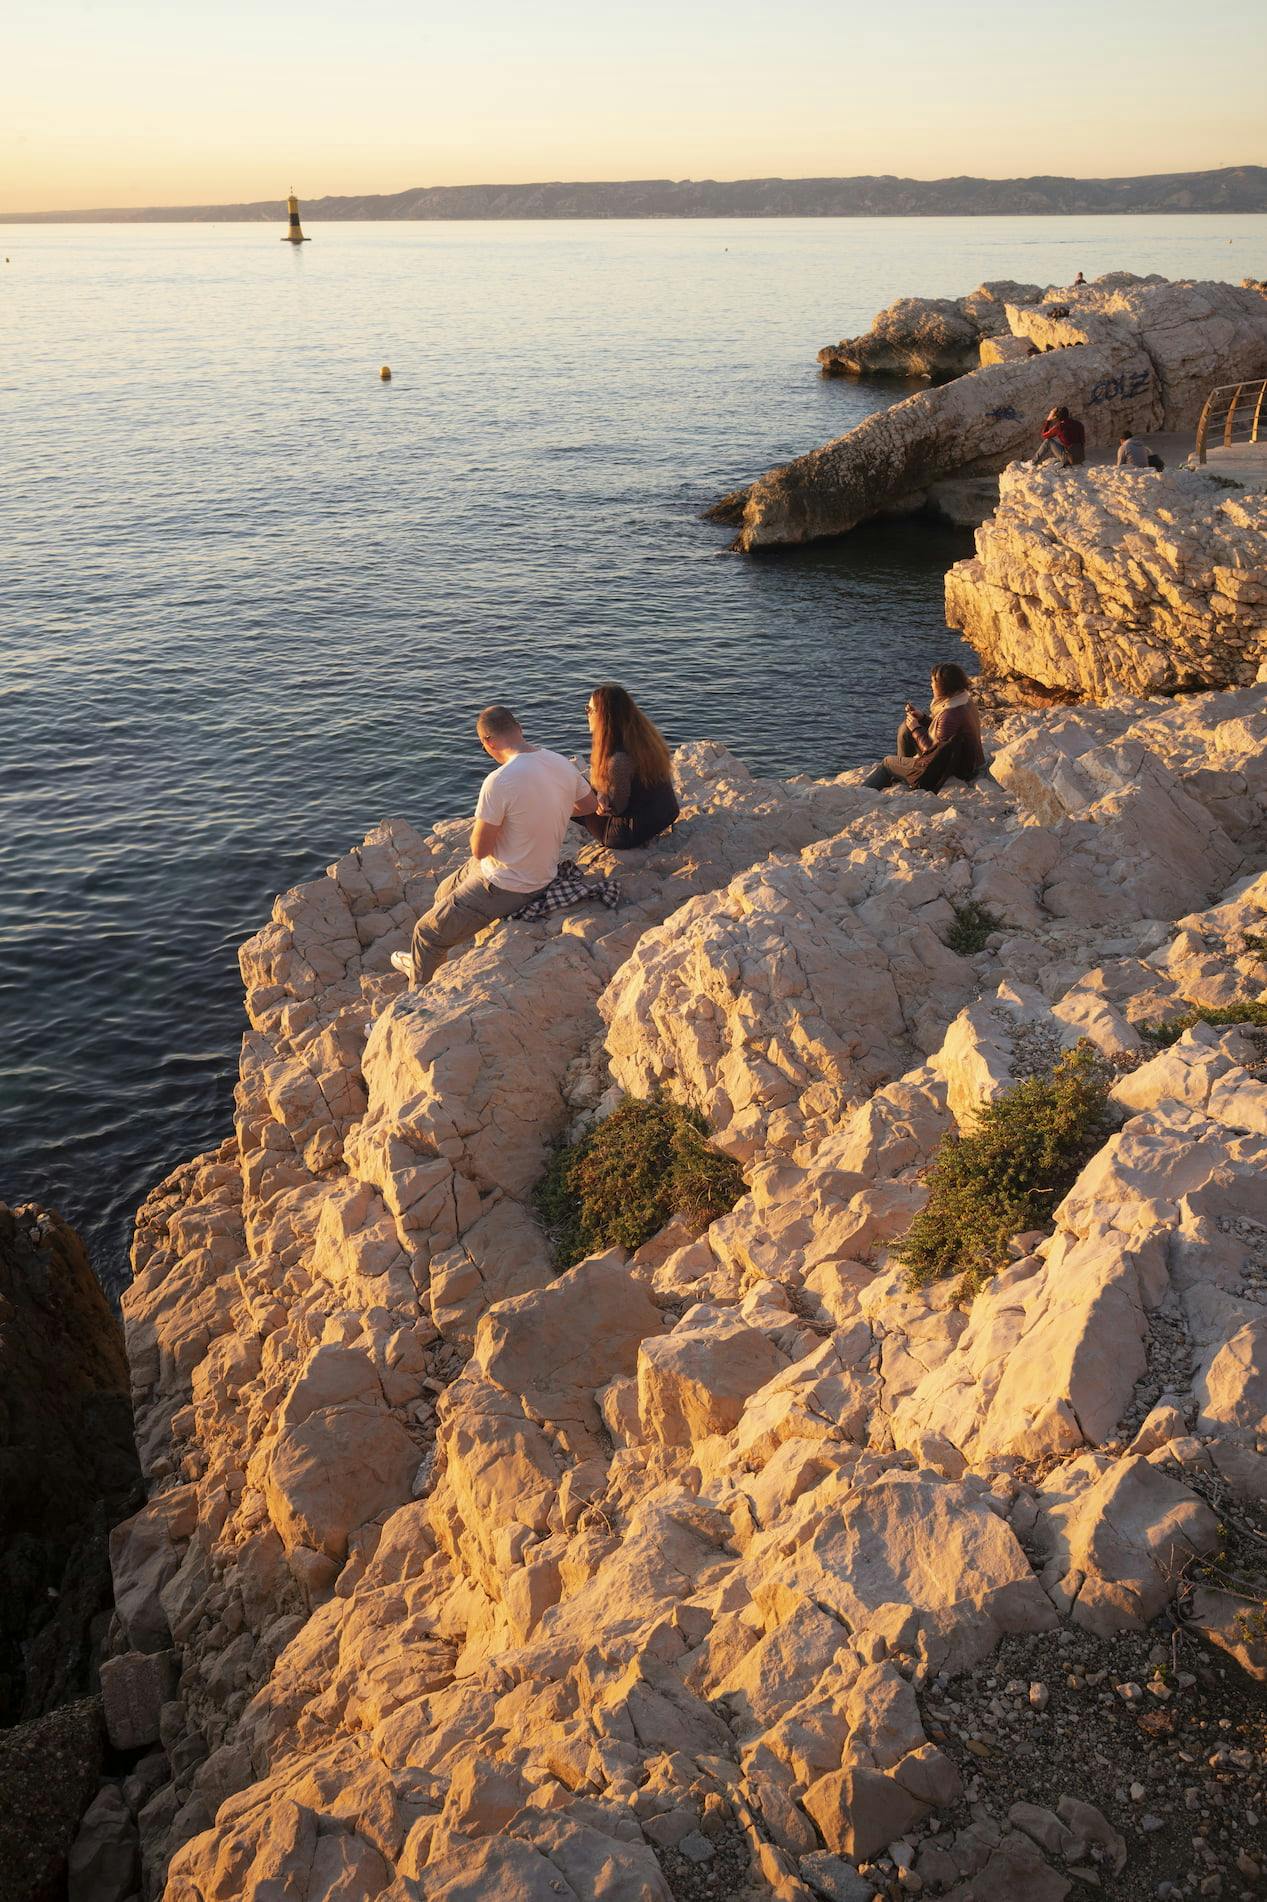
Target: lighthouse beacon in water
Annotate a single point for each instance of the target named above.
(293, 233)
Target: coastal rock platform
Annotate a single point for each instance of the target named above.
(736, 1566)
(1123, 353)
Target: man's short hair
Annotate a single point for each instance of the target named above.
(497, 723)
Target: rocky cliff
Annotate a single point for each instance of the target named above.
(739, 1567)
(1123, 353)
(1089, 581)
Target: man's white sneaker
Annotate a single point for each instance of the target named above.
(403, 962)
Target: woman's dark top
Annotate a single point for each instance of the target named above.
(634, 810)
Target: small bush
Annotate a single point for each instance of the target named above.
(973, 925)
(649, 1161)
(1009, 1173)
(1163, 1034)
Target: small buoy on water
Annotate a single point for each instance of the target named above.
(385, 373)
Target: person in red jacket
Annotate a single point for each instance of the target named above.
(1064, 440)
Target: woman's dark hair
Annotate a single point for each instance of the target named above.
(620, 726)
(949, 678)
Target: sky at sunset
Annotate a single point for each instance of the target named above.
(145, 102)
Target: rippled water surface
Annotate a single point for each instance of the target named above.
(252, 596)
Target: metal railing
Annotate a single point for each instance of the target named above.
(1233, 415)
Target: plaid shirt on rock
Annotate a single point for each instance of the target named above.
(571, 886)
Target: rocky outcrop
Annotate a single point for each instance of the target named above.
(1124, 353)
(934, 337)
(482, 1581)
(1092, 581)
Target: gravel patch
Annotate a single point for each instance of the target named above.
(1164, 1737)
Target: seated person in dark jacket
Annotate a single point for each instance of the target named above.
(630, 770)
(942, 744)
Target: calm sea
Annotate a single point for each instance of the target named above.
(252, 595)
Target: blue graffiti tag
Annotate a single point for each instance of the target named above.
(1004, 415)
(1109, 388)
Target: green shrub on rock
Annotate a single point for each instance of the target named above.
(971, 929)
(1008, 1173)
(1170, 1031)
(647, 1162)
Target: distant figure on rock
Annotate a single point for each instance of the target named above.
(630, 771)
(1078, 281)
(521, 817)
(1133, 453)
(1064, 439)
(942, 744)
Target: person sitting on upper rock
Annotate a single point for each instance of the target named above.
(942, 744)
(1132, 452)
(630, 771)
(1064, 439)
(1078, 281)
(521, 817)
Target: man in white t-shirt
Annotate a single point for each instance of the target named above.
(521, 817)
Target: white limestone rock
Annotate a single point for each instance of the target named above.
(661, 1537)
(1102, 580)
(936, 337)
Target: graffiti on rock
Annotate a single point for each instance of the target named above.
(1110, 388)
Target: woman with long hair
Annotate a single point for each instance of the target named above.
(630, 770)
(942, 744)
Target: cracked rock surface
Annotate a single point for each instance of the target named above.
(672, 1576)
(1103, 580)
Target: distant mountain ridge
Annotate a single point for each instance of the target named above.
(1234, 188)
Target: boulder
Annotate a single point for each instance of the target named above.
(695, 1380)
(859, 1812)
(1232, 1390)
(835, 1880)
(1102, 580)
(104, 1862)
(1125, 1529)
(556, 1346)
(134, 1688)
(334, 1471)
(931, 1545)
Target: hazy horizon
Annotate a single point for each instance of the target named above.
(149, 113)
(313, 200)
